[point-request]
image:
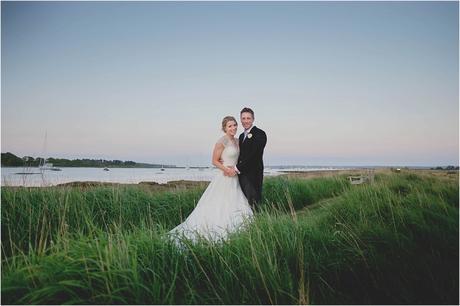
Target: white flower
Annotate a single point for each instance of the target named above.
(249, 135)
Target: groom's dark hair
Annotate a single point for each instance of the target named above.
(247, 110)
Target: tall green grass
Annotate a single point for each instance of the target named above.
(395, 241)
(35, 217)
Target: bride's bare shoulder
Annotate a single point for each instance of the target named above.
(227, 141)
(222, 140)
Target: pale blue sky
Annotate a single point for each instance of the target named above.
(332, 83)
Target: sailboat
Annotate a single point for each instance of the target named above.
(44, 165)
(47, 166)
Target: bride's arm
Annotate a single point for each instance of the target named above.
(216, 154)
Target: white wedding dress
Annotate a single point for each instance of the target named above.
(222, 209)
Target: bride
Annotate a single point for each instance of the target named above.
(222, 208)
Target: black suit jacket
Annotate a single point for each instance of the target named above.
(250, 161)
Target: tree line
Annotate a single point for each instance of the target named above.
(11, 160)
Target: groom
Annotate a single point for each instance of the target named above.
(250, 167)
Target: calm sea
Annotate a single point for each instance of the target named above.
(13, 176)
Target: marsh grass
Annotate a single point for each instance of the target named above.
(314, 241)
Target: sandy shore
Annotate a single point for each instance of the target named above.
(321, 173)
(171, 185)
(328, 173)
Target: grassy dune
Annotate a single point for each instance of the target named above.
(317, 241)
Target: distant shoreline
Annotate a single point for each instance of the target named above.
(10, 160)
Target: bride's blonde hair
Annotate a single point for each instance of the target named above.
(226, 120)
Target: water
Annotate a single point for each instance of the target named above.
(10, 176)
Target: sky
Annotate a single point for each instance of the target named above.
(331, 83)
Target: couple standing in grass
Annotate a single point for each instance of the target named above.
(236, 190)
